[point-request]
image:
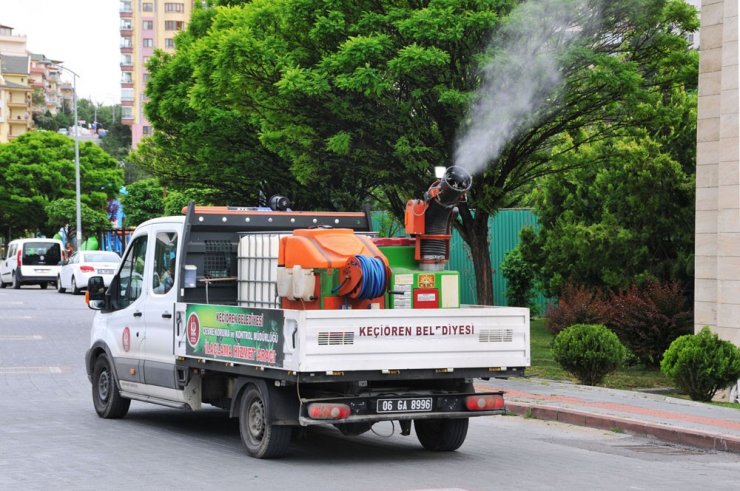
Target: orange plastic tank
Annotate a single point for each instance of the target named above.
(324, 248)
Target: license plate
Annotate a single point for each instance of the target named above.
(105, 271)
(37, 270)
(405, 405)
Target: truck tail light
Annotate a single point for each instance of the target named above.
(87, 269)
(484, 402)
(20, 258)
(324, 410)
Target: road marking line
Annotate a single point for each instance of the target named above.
(21, 337)
(32, 370)
(17, 317)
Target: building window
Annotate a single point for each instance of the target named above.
(148, 42)
(127, 94)
(145, 78)
(127, 112)
(147, 130)
(169, 43)
(125, 6)
(126, 59)
(127, 78)
(173, 25)
(174, 7)
(126, 24)
(148, 25)
(125, 42)
(147, 7)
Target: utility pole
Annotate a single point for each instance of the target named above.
(77, 157)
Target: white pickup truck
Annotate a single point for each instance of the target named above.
(239, 329)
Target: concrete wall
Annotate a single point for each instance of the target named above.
(717, 271)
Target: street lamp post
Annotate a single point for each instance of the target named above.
(77, 157)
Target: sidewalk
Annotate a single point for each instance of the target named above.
(666, 418)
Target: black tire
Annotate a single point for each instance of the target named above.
(262, 440)
(59, 285)
(107, 399)
(16, 281)
(441, 435)
(43, 285)
(3, 284)
(75, 290)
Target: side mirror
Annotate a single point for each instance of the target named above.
(96, 288)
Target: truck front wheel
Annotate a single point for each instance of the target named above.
(108, 401)
(441, 435)
(262, 440)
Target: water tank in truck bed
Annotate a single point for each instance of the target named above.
(324, 248)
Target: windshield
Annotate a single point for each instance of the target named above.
(101, 257)
(48, 253)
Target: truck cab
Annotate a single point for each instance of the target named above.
(135, 327)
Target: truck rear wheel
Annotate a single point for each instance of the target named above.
(108, 401)
(262, 440)
(441, 435)
(16, 280)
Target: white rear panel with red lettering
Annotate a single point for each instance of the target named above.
(351, 340)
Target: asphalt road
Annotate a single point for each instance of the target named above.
(50, 436)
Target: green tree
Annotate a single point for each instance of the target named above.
(624, 214)
(362, 99)
(117, 141)
(63, 212)
(520, 278)
(143, 200)
(38, 168)
(212, 145)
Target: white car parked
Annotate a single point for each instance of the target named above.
(31, 261)
(85, 264)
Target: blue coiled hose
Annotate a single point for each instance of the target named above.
(373, 277)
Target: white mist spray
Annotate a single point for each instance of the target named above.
(522, 75)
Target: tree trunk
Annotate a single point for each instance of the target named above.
(474, 231)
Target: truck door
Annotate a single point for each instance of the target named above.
(126, 322)
(158, 348)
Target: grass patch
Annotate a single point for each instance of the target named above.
(545, 366)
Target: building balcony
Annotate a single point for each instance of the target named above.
(127, 102)
(19, 121)
(127, 120)
(127, 50)
(127, 67)
(127, 32)
(21, 104)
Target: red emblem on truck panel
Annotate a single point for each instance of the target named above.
(193, 330)
(126, 339)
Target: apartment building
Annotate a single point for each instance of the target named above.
(146, 25)
(15, 97)
(45, 81)
(29, 83)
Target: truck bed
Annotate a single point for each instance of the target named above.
(494, 339)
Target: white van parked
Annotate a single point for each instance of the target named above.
(31, 261)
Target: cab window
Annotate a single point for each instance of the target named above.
(131, 276)
(165, 255)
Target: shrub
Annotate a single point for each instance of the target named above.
(701, 364)
(519, 280)
(648, 318)
(589, 352)
(576, 305)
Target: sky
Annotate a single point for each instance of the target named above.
(84, 34)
